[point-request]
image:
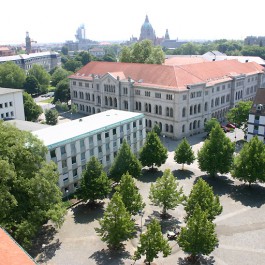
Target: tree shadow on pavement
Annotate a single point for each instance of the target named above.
(48, 251)
(150, 175)
(109, 257)
(44, 237)
(182, 174)
(85, 213)
(221, 185)
(252, 196)
(200, 261)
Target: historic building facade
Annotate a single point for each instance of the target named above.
(180, 99)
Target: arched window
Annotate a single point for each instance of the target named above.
(160, 110)
(150, 108)
(171, 112)
(199, 124)
(115, 102)
(156, 109)
(106, 101)
(166, 127)
(110, 102)
(195, 109)
(160, 126)
(89, 109)
(183, 128)
(171, 128)
(93, 110)
(205, 106)
(205, 120)
(190, 126)
(199, 108)
(191, 110)
(99, 100)
(136, 105)
(167, 111)
(146, 107)
(150, 123)
(184, 112)
(140, 106)
(194, 124)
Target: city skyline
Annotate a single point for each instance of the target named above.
(118, 20)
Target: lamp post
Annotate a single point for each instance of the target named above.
(141, 213)
(164, 140)
(67, 194)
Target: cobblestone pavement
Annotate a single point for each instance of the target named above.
(240, 228)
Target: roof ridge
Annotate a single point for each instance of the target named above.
(180, 66)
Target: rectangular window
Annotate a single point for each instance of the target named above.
(10, 104)
(99, 137)
(73, 160)
(91, 140)
(134, 124)
(140, 122)
(1, 106)
(158, 95)
(83, 156)
(128, 126)
(100, 149)
(6, 105)
(91, 152)
(80, 83)
(82, 143)
(64, 163)
(114, 131)
(63, 151)
(74, 83)
(137, 92)
(134, 135)
(53, 153)
(107, 158)
(184, 97)
(12, 113)
(169, 97)
(106, 134)
(86, 84)
(107, 146)
(147, 93)
(73, 149)
(75, 173)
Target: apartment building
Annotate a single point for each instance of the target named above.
(180, 99)
(72, 144)
(11, 104)
(256, 120)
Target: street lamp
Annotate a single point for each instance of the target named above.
(141, 213)
(67, 194)
(164, 139)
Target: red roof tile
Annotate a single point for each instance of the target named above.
(11, 253)
(175, 77)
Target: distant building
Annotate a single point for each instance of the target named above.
(97, 52)
(72, 144)
(11, 104)
(6, 51)
(180, 99)
(256, 120)
(11, 252)
(49, 60)
(147, 31)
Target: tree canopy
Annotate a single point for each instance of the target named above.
(31, 85)
(95, 185)
(58, 75)
(51, 116)
(124, 162)
(216, 154)
(29, 193)
(151, 243)
(249, 165)
(41, 75)
(184, 153)
(199, 236)
(130, 195)
(11, 75)
(31, 109)
(116, 225)
(62, 91)
(165, 192)
(142, 52)
(153, 152)
(210, 124)
(202, 194)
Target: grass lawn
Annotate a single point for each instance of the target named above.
(47, 100)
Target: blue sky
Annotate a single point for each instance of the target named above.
(105, 20)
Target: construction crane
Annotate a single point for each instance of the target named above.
(28, 43)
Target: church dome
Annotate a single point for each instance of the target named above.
(147, 31)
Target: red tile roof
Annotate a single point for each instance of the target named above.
(184, 60)
(11, 253)
(175, 77)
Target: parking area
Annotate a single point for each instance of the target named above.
(240, 227)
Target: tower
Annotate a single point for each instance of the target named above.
(28, 43)
(167, 35)
(147, 31)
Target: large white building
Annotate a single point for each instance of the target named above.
(72, 144)
(180, 99)
(256, 120)
(11, 104)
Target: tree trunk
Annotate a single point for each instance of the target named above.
(182, 166)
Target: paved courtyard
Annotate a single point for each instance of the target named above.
(240, 227)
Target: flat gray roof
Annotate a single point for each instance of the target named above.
(27, 125)
(4, 90)
(69, 131)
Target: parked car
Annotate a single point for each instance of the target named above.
(225, 129)
(230, 125)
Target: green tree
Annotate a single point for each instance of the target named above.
(29, 193)
(59, 75)
(95, 185)
(199, 236)
(41, 75)
(202, 194)
(62, 91)
(130, 195)
(239, 114)
(116, 225)
(151, 243)
(31, 85)
(165, 192)
(216, 154)
(210, 124)
(51, 116)
(72, 65)
(184, 153)
(153, 152)
(31, 109)
(84, 57)
(124, 162)
(156, 129)
(125, 56)
(157, 56)
(249, 165)
(64, 50)
(11, 75)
